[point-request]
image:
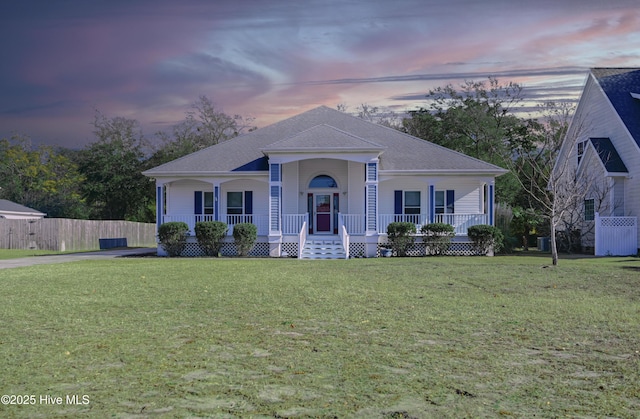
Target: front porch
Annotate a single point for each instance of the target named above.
(352, 237)
(353, 223)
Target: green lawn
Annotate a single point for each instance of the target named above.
(373, 338)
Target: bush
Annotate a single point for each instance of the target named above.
(485, 238)
(173, 237)
(401, 236)
(437, 237)
(245, 236)
(210, 235)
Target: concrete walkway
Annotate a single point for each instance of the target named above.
(74, 257)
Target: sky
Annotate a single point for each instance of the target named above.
(150, 60)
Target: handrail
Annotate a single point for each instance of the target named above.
(344, 235)
(302, 236)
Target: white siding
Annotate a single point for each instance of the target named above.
(596, 117)
(467, 192)
(180, 196)
(260, 194)
(308, 169)
(355, 196)
(291, 189)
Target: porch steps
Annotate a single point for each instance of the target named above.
(323, 249)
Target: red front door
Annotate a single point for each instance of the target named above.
(324, 213)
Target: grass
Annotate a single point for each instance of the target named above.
(372, 338)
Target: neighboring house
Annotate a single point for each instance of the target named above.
(325, 182)
(11, 210)
(602, 149)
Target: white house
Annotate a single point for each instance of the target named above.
(14, 211)
(325, 182)
(602, 148)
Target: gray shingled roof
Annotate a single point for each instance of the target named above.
(10, 206)
(618, 84)
(609, 155)
(401, 152)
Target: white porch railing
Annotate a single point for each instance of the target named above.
(302, 239)
(460, 222)
(344, 235)
(385, 219)
(261, 221)
(354, 223)
(291, 223)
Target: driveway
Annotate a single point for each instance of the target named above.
(74, 257)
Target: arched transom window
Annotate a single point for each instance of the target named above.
(323, 181)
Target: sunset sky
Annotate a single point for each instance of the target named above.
(269, 59)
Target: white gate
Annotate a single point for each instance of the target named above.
(616, 236)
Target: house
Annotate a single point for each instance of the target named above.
(324, 183)
(602, 148)
(12, 210)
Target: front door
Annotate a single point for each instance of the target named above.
(323, 213)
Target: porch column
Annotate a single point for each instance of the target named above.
(275, 208)
(216, 201)
(159, 204)
(491, 202)
(371, 202)
(432, 203)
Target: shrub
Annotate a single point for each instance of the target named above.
(401, 236)
(173, 237)
(437, 237)
(210, 235)
(245, 236)
(485, 237)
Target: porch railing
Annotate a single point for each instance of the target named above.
(344, 235)
(261, 221)
(354, 223)
(291, 223)
(302, 239)
(460, 222)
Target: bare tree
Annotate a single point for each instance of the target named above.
(546, 165)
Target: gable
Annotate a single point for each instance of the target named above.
(622, 88)
(323, 128)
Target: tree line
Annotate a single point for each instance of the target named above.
(104, 180)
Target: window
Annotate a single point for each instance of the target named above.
(208, 203)
(323, 181)
(445, 202)
(411, 202)
(581, 146)
(589, 210)
(234, 203)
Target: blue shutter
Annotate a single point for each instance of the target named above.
(397, 202)
(432, 203)
(216, 203)
(451, 199)
(248, 202)
(197, 207)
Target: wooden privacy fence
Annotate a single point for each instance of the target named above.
(66, 234)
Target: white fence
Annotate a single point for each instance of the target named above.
(616, 236)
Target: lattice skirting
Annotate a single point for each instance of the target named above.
(455, 249)
(228, 249)
(356, 249)
(290, 248)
